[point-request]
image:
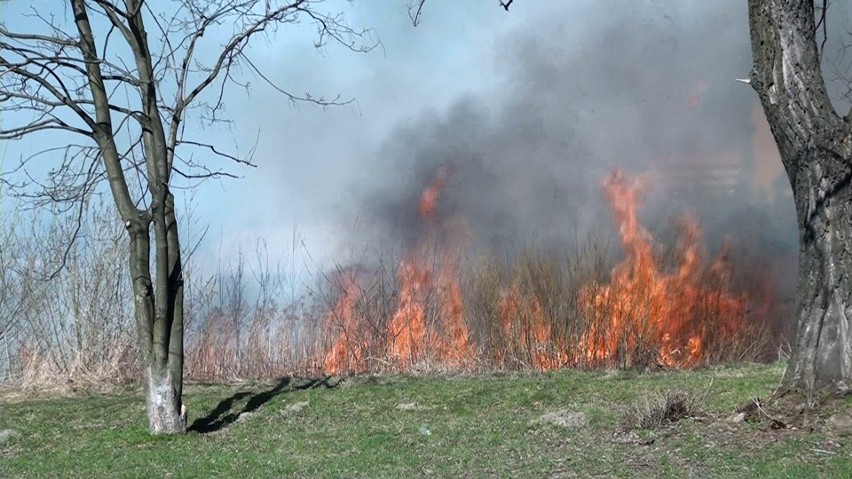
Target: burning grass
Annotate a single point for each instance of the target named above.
(444, 308)
(547, 312)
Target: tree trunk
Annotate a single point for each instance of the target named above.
(161, 356)
(822, 354)
(815, 145)
(162, 398)
(175, 356)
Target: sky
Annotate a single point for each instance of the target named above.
(529, 109)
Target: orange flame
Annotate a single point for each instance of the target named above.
(670, 313)
(347, 350)
(407, 328)
(415, 332)
(527, 331)
(645, 306)
(447, 341)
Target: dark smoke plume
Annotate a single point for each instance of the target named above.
(646, 87)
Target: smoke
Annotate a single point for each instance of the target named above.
(641, 86)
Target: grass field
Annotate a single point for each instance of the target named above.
(484, 426)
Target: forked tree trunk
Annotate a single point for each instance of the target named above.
(160, 338)
(158, 308)
(816, 148)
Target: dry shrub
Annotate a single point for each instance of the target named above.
(521, 312)
(277, 343)
(42, 370)
(212, 352)
(73, 317)
(660, 408)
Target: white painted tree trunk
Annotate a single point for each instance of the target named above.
(166, 414)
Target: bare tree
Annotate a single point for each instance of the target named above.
(815, 143)
(96, 73)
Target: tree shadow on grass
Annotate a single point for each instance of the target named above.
(224, 414)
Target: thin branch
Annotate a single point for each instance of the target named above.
(217, 152)
(321, 101)
(822, 23)
(235, 44)
(210, 174)
(66, 42)
(414, 13)
(65, 99)
(50, 124)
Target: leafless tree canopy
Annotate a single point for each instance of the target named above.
(45, 75)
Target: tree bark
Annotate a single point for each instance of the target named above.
(166, 414)
(163, 365)
(175, 288)
(815, 145)
(823, 344)
(161, 358)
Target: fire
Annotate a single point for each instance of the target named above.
(526, 328)
(407, 329)
(430, 279)
(648, 311)
(455, 348)
(428, 323)
(644, 306)
(347, 350)
(429, 197)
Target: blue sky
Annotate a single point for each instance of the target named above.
(318, 169)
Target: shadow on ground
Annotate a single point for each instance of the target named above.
(224, 413)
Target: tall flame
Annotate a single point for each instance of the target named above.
(348, 348)
(526, 328)
(407, 330)
(416, 331)
(411, 340)
(645, 306)
(645, 312)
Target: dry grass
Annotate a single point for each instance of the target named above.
(522, 313)
(42, 371)
(526, 313)
(656, 409)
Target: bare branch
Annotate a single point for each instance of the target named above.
(203, 176)
(65, 42)
(415, 12)
(321, 101)
(235, 45)
(415, 9)
(822, 24)
(49, 124)
(72, 241)
(62, 96)
(219, 153)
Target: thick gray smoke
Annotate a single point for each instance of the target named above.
(639, 83)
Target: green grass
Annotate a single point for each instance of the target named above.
(480, 427)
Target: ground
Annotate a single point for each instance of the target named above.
(462, 426)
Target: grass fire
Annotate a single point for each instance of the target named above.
(544, 313)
